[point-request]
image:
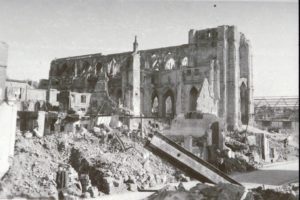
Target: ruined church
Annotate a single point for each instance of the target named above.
(212, 73)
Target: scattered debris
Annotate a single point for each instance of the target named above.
(203, 192)
(107, 166)
(281, 193)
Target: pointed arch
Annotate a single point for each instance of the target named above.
(170, 64)
(154, 103)
(184, 62)
(98, 68)
(193, 99)
(83, 68)
(169, 104)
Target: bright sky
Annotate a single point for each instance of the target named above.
(37, 31)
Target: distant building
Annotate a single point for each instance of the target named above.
(27, 97)
(78, 102)
(24, 95)
(277, 114)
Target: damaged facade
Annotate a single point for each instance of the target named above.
(210, 74)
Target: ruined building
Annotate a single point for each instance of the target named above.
(212, 73)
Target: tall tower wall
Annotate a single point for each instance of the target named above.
(233, 77)
(247, 73)
(222, 46)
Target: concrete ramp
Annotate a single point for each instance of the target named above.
(184, 160)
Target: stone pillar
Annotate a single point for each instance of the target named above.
(222, 46)
(250, 85)
(160, 104)
(179, 93)
(265, 148)
(233, 115)
(3, 65)
(217, 80)
(211, 79)
(41, 123)
(75, 70)
(247, 72)
(136, 82)
(188, 143)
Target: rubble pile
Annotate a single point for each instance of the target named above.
(242, 151)
(287, 192)
(110, 169)
(233, 160)
(204, 192)
(224, 191)
(231, 165)
(32, 173)
(284, 150)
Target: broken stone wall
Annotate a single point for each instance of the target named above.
(187, 126)
(50, 120)
(180, 68)
(8, 116)
(36, 95)
(8, 120)
(52, 99)
(206, 102)
(30, 120)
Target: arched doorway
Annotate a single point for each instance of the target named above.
(154, 104)
(193, 99)
(169, 104)
(244, 103)
(98, 68)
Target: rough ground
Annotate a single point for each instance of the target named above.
(223, 191)
(36, 160)
(110, 169)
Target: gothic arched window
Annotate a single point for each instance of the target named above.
(170, 64)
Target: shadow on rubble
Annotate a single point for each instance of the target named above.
(268, 177)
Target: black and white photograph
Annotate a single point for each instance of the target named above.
(149, 99)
